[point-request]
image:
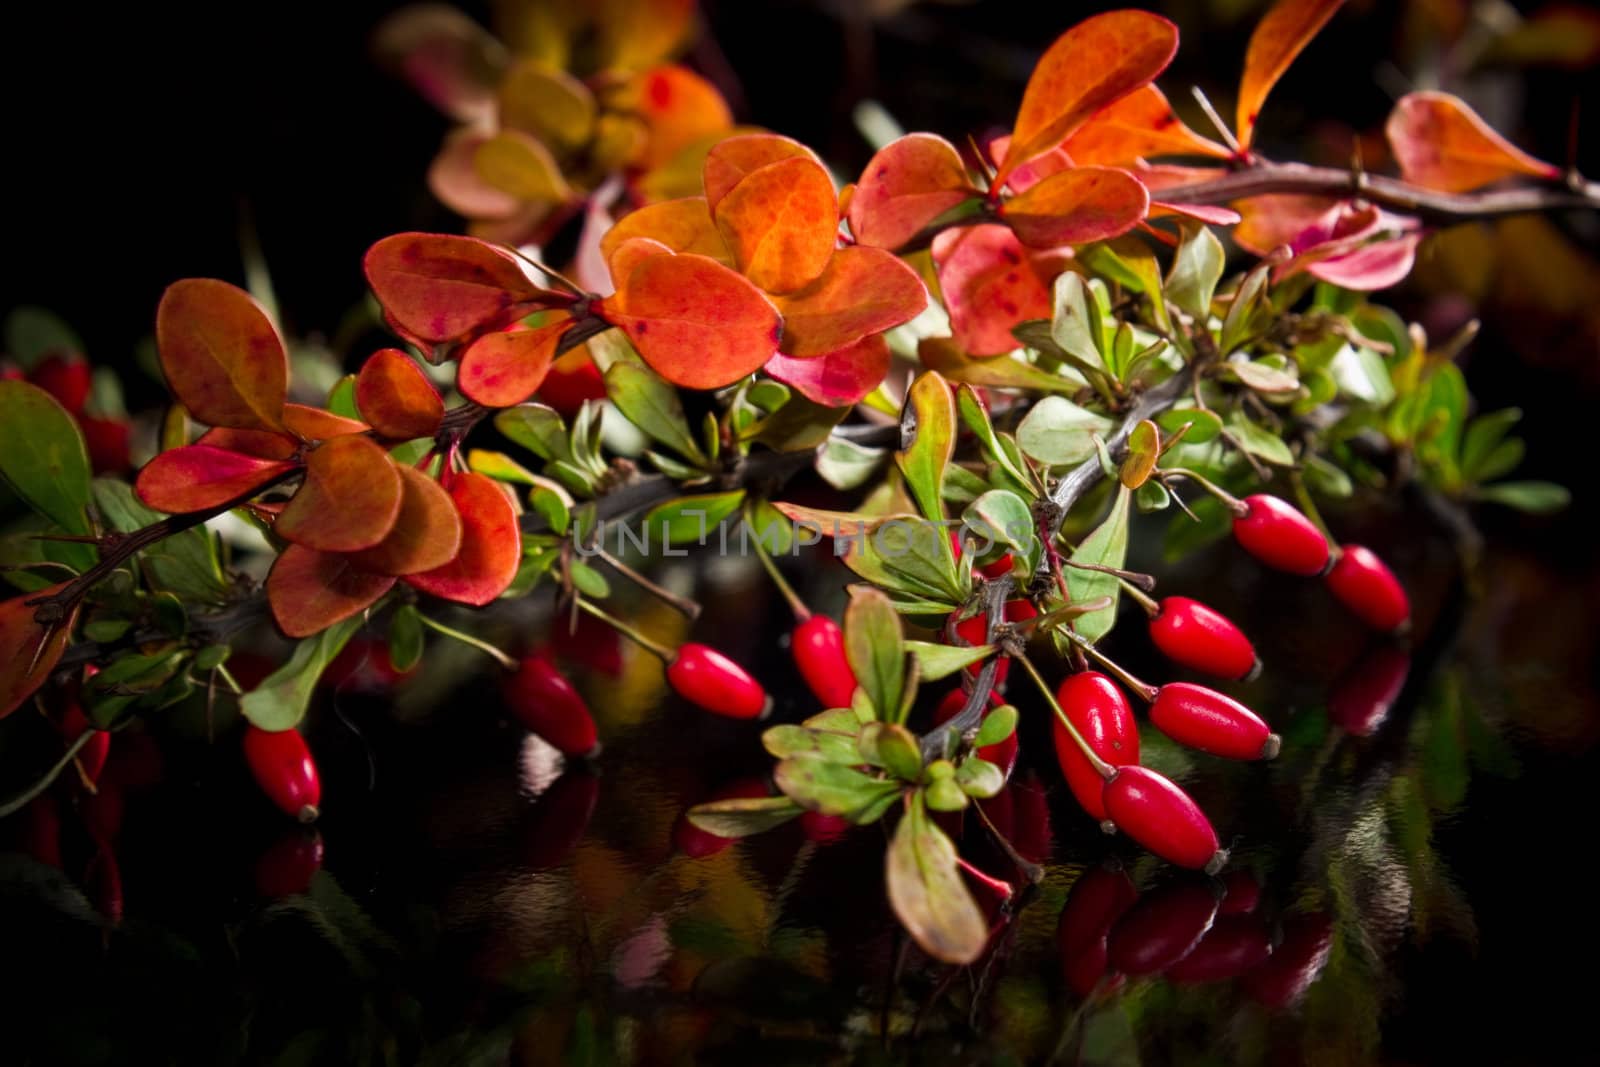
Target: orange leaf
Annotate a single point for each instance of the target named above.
(629, 253)
(679, 108)
(836, 378)
(681, 225)
(1077, 206)
(521, 166)
(1274, 219)
(316, 424)
(697, 323)
(348, 501)
(309, 591)
(396, 397)
(1139, 126)
(426, 534)
(908, 184)
(732, 159)
(1280, 36)
(635, 33)
(28, 650)
(863, 291)
(221, 354)
(197, 477)
(990, 284)
(259, 443)
(1092, 65)
(499, 370)
(491, 545)
(1441, 143)
(440, 288)
(781, 223)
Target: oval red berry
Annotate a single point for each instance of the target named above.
(1192, 634)
(1212, 722)
(1276, 534)
(1162, 928)
(1363, 695)
(1100, 713)
(547, 703)
(1364, 583)
(283, 768)
(702, 675)
(1163, 818)
(818, 646)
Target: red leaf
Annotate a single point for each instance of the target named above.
(451, 60)
(259, 443)
(681, 225)
(221, 355)
(316, 424)
(1036, 170)
(1216, 216)
(729, 161)
(453, 177)
(28, 651)
(908, 184)
(1280, 36)
(1372, 266)
(1142, 125)
(837, 378)
(697, 323)
(499, 370)
(1441, 143)
(198, 477)
(1077, 206)
(781, 223)
(349, 500)
(491, 545)
(990, 284)
(863, 291)
(309, 591)
(627, 255)
(426, 534)
(396, 397)
(1275, 219)
(441, 288)
(1091, 66)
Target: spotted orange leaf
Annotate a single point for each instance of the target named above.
(836, 378)
(731, 160)
(679, 108)
(396, 397)
(697, 323)
(907, 184)
(990, 285)
(629, 253)
(426, 534)
(1092, 65)
(1442, 143)
(29, 651)
(221, 354)
(863, 291)
(439, 288)
(309, 591)
(1141, 125)
(1077, 206)
(491, 545)
(681, 225)
(501, 369)
(349, 500)
(1282, 34)
(1274, 219)
(317, 424)
(781, 223)
(197, 477)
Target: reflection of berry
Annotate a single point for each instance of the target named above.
(1162, 928)
(92, 756)
(286, 868)
(1234, 945)
(1276, 534)
(1100, 713)
(702, 675)
(1364, 583)
(284, 770)
(1192, 634)
(1097, 900)
(1295, 964)
(1363, 695)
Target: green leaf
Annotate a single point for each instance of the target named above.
(846, 465)
(743, 816)
(1362, 375)
(1246, 317)
(406, 640)
(1002, 517)
(941, 661)
(211, 657)
(918, 553)
(1263, 378)
(941, 354)
(691, 518)
(279, 702)
(1325, 478)
(875, 649)
(1106, 546)
(1151, 496)
(588, 581)
(1196, 270)
(1258, 442)
(976, 420)
(1205, 426)
(798, 426)
(998, 725)
(1537, 498)
(944, 795)
(31, 333)
(1075, 323)
(555, 507)
(933, 441)
(1483, 435)
(927, 892)
(891, 746)
(651, 404)
(1184, 535)
(979, 778)
(537, 428)
(500, 467)
(835, 789)
(770, 527)
(790, 740)
(1059, 433)
(185, 563)
(342, 398)
(1130, 262)
(42, 455)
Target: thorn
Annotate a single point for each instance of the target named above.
(1216, 120)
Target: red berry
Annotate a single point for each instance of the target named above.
(102, 812)
(1099, 897)
(697, 843)
(363, 666)
(104, 876)
(559, 819)
(1189, 633)
(1156, 813)
(1276, 534)
(92, 756)
(1364, 583)
(995, 568)
(1162, 928)
(1362, 697)
(1241, 894)
(572, 379)
(286, 868)
(1002, 754)
(65, 377)
(1100, 713)
(1030, 834)
(41, 830)
(544, 701)
(107, 441)
(975, 631)
(823, 829)
(1236, 944)
(1295, 964)
(1211, 722)
(702, 675)
(284, 770)
(591, 643)
(818, 646)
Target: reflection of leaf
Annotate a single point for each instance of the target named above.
(743, 816)
(927, 893)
